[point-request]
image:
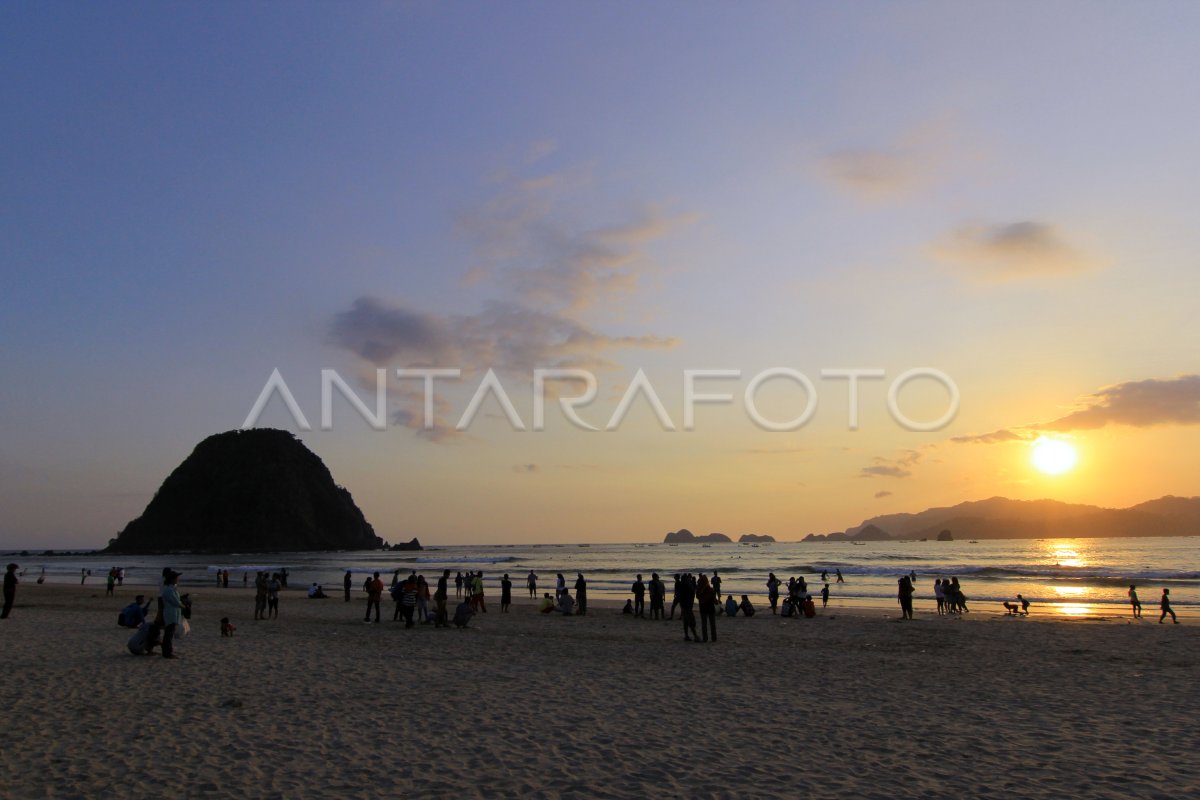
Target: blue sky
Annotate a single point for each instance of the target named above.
(194, 194)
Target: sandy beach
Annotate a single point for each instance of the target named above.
(855, 704)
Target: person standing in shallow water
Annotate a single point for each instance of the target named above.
(1165, 605)
(580, 595)
(716, 584)
(531, 583)
(10, 589)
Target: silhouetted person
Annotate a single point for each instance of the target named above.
(374, 595)
(531, 583)
(581, 595)
(686, 598)
(825, 596)
(773, 591)
(904, 595)
(1133, 601)
(1165, 605)
(716, 584)
(10, 589)
(639, 597)
(840, 579)
(440, 598)
(505, 593)
(347, 582)
(675, 596)
(706, 599)
(658, 596)
(746, 607)
(172, 610)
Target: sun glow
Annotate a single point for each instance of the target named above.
(1053, 456)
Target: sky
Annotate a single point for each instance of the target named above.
(999, 196)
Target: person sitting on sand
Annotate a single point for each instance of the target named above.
(746, 607)
(134, 614)
(1165, 605)
(547, 604)
(731, 606)
(566, 604)
(315, 592)
(1133, 601)
(463, 614)
(628, 609)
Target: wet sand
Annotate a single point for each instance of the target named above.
(853, 703)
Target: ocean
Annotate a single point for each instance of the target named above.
(1073, 577)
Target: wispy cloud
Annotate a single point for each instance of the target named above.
(1011, 251)
(882, 494)
(899, 467)
(504, 337)
(873, 174)
(1138, 404)
(525, 469)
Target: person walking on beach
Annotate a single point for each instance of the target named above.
(639, 597)
(773, 591)
(172, 612)
(581, 595)
(531, 583)
(825, 596)
(374, 595)
(658, 594)
(1133, 601)
(675, 596)
(905, 597)
(838, 572)
(505, 594)
(824, 575)
(1165, 605)
(686, 598)
(706, 598)
(10, 589)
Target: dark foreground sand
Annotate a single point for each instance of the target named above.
(317, 704)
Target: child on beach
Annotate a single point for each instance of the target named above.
(1133, 601)
(227, 627)
(1165, 605)
(825, 596)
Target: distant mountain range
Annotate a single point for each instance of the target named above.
(1001, 518)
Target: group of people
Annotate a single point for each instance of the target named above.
(173, 612)
(1164, 605)
(266, 595)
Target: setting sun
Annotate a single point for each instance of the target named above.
(1053, 456)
